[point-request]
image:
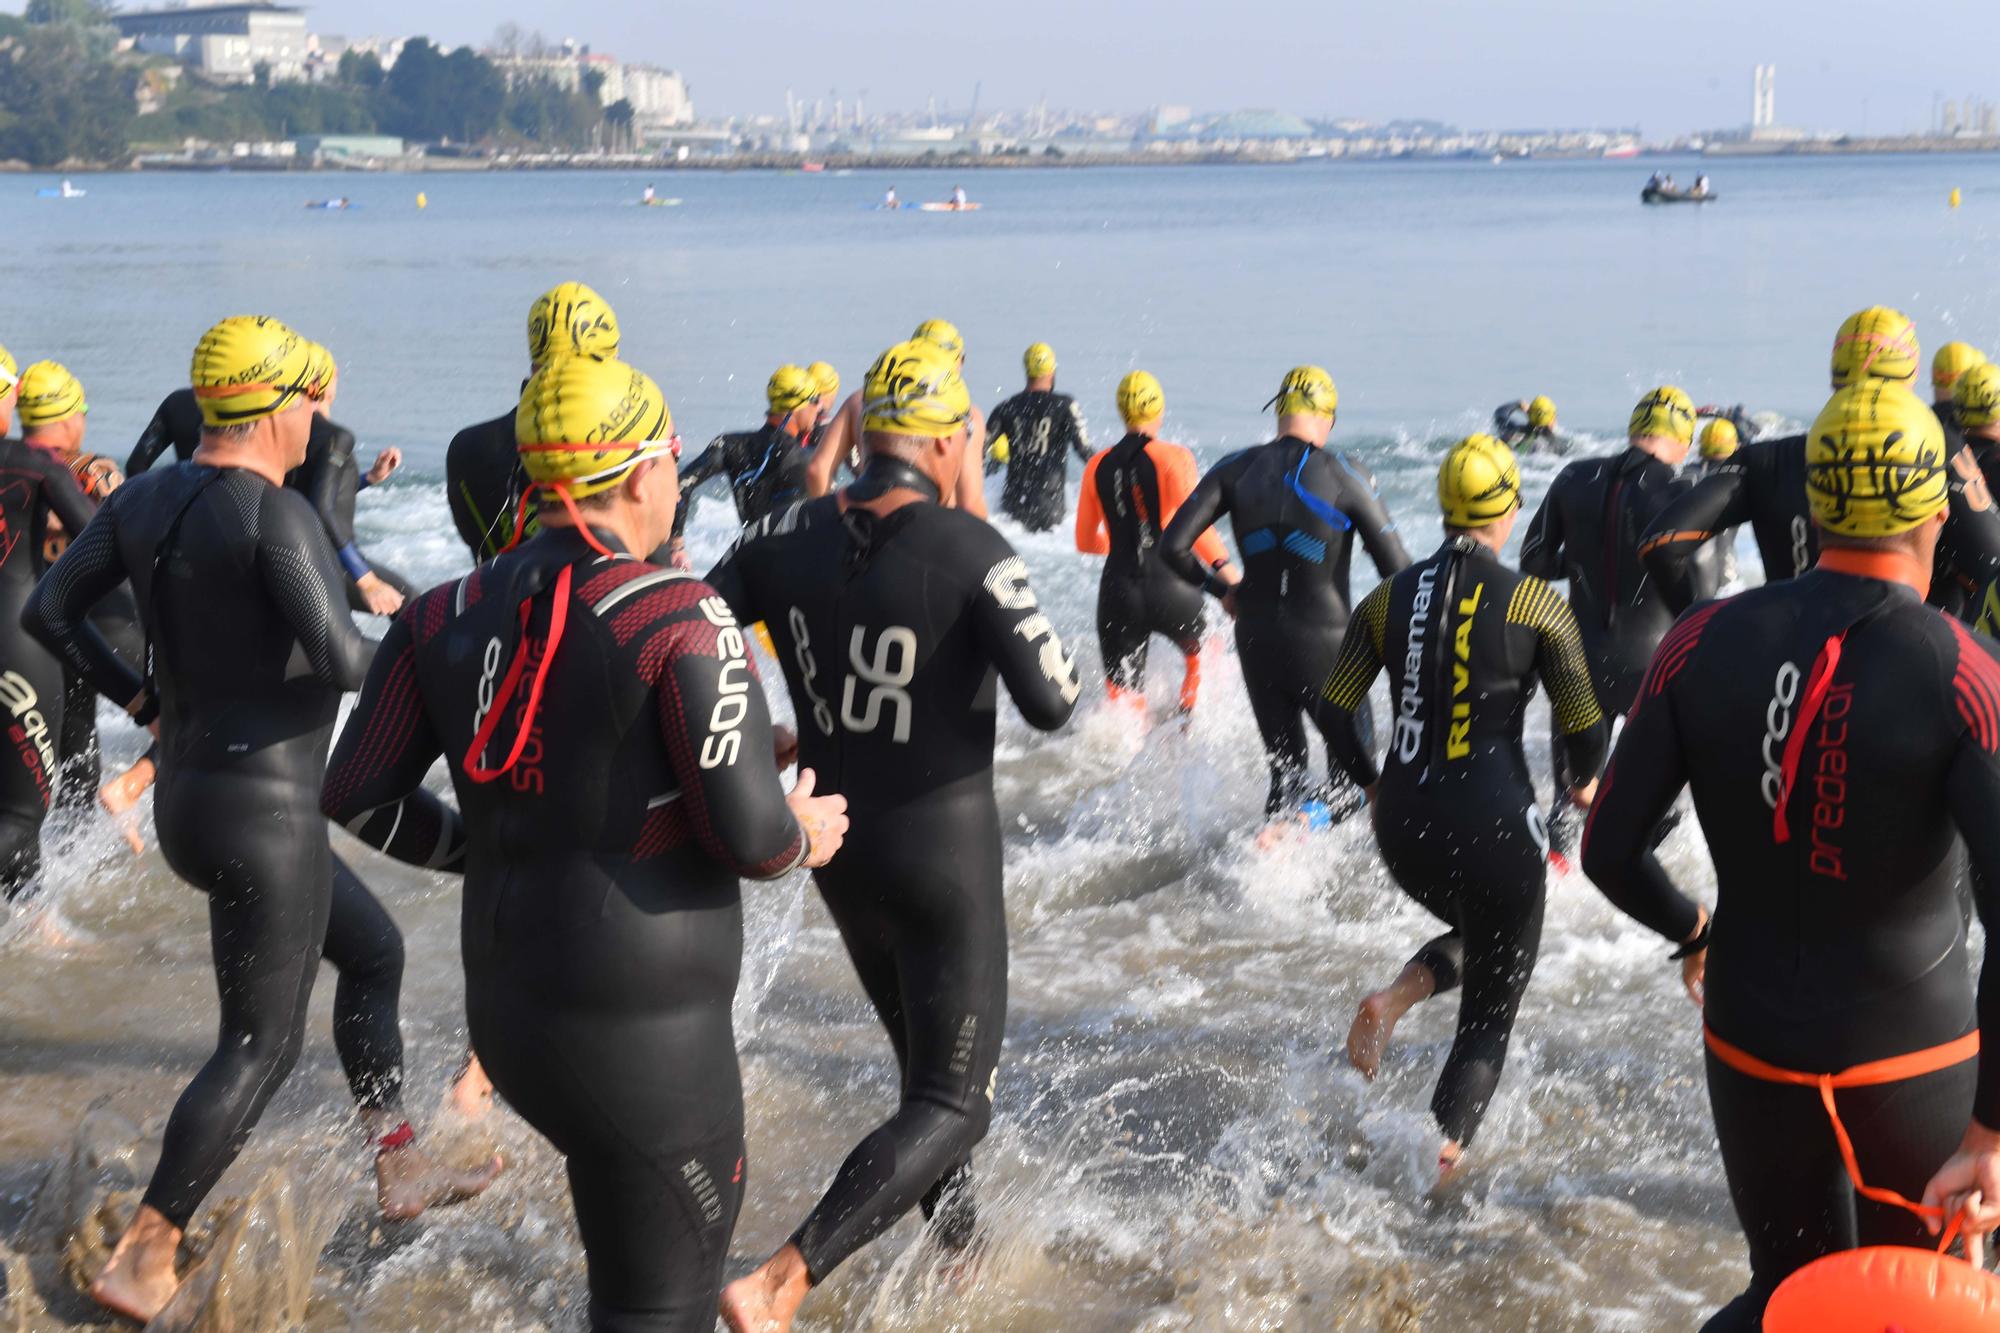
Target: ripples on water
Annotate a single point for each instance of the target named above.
(1179, 1144)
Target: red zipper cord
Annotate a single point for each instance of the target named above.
(558, 617)
(1817, 685)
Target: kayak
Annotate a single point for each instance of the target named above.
(1649, 195)
(949, 208)
(659, 203)
(57, 192)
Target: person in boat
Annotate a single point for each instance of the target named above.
(889, 199)
(648, 196)
(958, 199)
(1701, 187)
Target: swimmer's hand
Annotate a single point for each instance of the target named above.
(1229, 602)
(784, 747)
(677, 555)
(824, 819)
(1969, 1182)
(382, 599)
(385, 465)
(1694, 967)
(1581, 797)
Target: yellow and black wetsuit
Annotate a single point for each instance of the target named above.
(1465, 639)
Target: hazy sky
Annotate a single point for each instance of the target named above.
(1665, 67)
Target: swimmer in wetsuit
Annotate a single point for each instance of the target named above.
(252, 647)
(1764, 484)
(330, 478)
(54, 414)
(765, 468)
(1033, 434)
(893, 616)
(1296, 508)
(1720, 439)
(1838, 737)
(1130, 492)
(483, 477)
(610, 798)
(1948, 365)
(844, 440)
(33, 486)
(1587, 533)
(1465, 639)
(1530, 426)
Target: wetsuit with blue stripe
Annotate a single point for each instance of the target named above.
(1296, 511)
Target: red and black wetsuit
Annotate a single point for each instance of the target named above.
(1130, 492)
(603, 925)
(1295, 511)
(1465, 639)
(33, 485)
(1764, 484)
(893, 631)
(1838, 736)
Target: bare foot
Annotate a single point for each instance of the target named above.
(139, 1280)
(407, 1182)
(471, 1097)
(1374, 1023)
(767, 1300)
(1451, 1160)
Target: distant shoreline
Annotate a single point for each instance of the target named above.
(831, 163)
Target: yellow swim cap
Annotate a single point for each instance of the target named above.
(49, 393)
(1977, 394)
(10, 372)
(1665, 413)
(1951, 361)
(1308, 391)
(1718, 438)
(941, 333)
(827, 378)
(1875, 462)
(1140, 398)
(252, 366)
(1541, 413)
(1876, 343)
(583, 423)
(791, 388)
(914, 388)
(1479, 482)
(1039, 360)
(570, 319)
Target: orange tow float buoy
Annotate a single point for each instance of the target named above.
(1886, 1287)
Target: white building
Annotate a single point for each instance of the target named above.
(225, 42)
(659, 97)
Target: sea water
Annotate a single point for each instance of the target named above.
(1178, 1143)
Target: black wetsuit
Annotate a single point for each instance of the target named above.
(1295, 510)
(1043, 428)
(32, 486)
(1510, 426)
(176, 425)
(603, 922)
(252, 648)
(330, 478)
(1465, 638)
(1764, 484)
(1587, 532)
(765, 468)
(1130, 491)
(891, 631)
(483, 482)
(1839, 938)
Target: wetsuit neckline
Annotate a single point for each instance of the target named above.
(1888, 566)
(570, 534)
(882, 474)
